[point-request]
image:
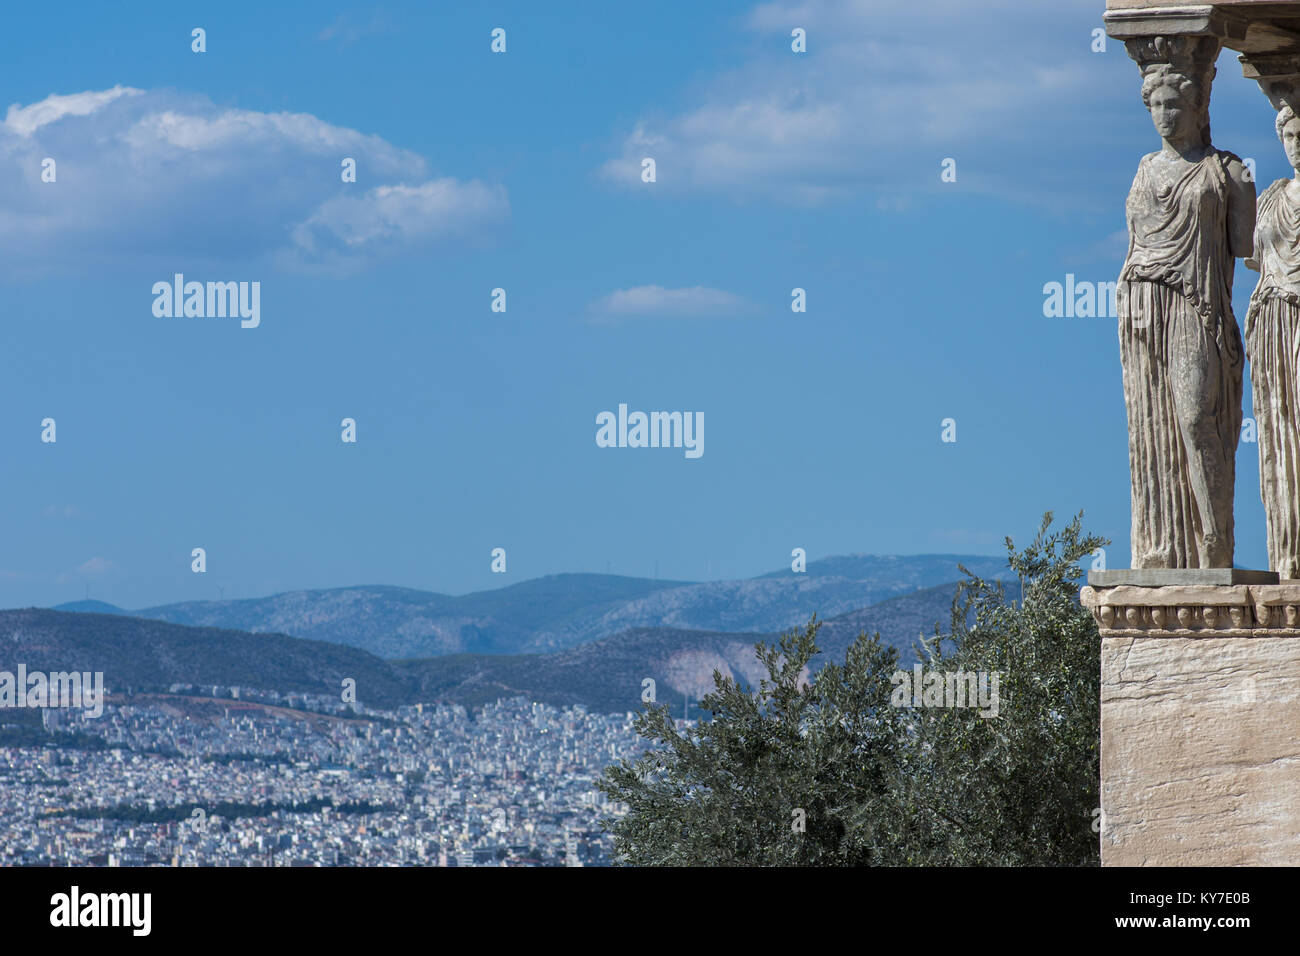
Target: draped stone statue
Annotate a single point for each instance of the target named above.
(1191, 211)
(1194, 731)
(1273, 344)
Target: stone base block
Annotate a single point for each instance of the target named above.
(1200, 747)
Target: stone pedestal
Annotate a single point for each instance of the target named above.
(1200, 724)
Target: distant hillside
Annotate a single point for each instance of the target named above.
(899, 572)
(91, 607)
(606, 675)
(567, 610)
(141, 654)
(397, 622)
(776, 602)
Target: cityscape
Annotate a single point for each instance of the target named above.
(224, 776)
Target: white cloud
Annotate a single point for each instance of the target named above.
(161, 173)
(26, 120)
(887, 89)
(654, 300)
(394, 214)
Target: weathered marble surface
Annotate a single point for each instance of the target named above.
(1200, 752)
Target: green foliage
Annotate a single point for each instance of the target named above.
(228, 810)
(21, 736)
(879, 784)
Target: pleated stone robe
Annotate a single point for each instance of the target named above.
(1273, 341)
(1183, 362)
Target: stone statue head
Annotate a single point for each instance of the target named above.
(1177, 73)
(1288, 131)
(1178, 103)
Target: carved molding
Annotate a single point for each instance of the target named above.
(1263, 610)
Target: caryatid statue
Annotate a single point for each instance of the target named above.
(1191, 213)
(1273, 344)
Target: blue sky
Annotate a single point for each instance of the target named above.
(520, 170)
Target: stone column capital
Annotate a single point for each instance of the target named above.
(1278, 75)
(1191, 54)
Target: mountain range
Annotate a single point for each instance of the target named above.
(567, 610)
(606, 673)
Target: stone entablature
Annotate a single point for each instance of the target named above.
(1247, 26)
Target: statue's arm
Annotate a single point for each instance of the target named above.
(1241, 210)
